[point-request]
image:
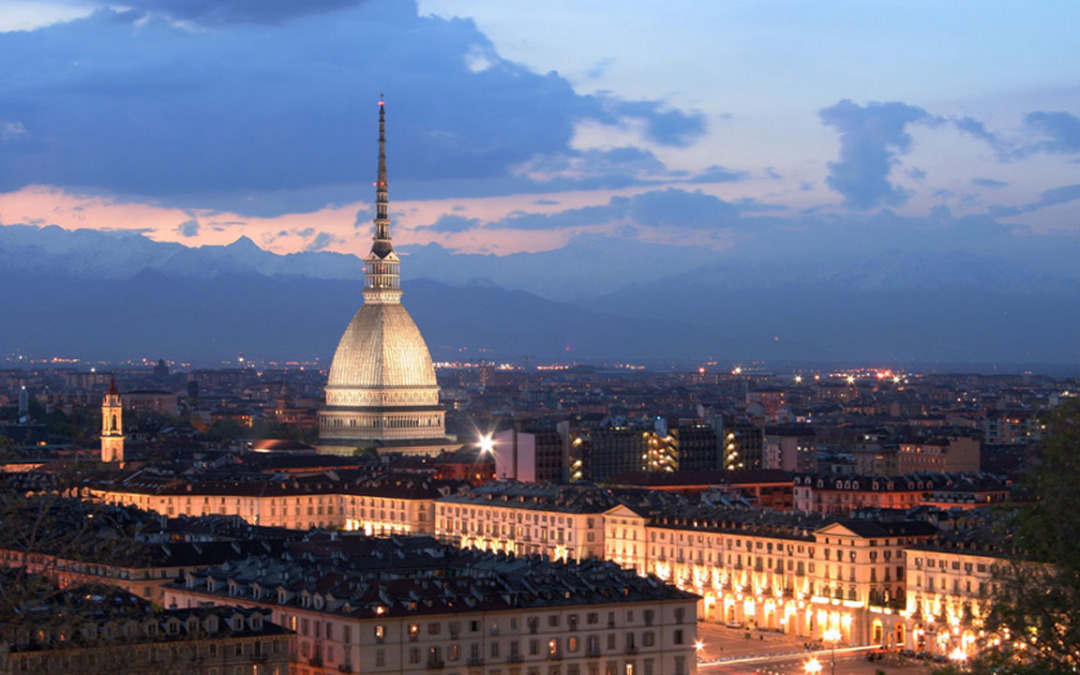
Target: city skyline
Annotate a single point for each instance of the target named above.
(739, 127)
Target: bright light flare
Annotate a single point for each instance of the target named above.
(487, 443)
(699, 645)
(812, 667)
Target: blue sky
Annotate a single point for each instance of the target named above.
(518, 127)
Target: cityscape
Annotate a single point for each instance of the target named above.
(600, 395)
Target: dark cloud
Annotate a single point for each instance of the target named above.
(188, 228)
(322, 240)
(220, 12)
(748, 205)
(452, 224)
(616, 209)
(1052, 197)
(681, 209)
(270, 119)
(870, 138)
(989, 183)
(666, 127)
(719, 174)
(977, 129)
(363, 218)
(669, 208)
(1060, 131)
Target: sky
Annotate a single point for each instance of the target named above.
(520, 127)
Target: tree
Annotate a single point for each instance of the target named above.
(1035, 611)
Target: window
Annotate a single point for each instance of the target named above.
(611, 641)
(414, 632)
(434, 628)
(678, 636)
(380, 658)
(414, 655)
(680, 614)
(572, 643)
(648, 638)
(380, 634)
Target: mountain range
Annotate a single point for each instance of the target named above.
(116, 295)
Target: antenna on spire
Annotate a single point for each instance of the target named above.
(381, 179)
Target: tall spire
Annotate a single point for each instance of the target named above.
(382, 274)
(382, 194)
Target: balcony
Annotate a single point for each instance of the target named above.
(592, 652)
(435, 664)
(515, 658)
(631, 650)
(476, 661)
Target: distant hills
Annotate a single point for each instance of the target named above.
(105, 295)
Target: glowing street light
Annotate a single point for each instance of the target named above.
(958, 656)
(699, 645)
(812, 667)
(832, 636)
(487, 443)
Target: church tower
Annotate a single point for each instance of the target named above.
(381, 392)
(112, 426)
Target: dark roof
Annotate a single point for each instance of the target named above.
(690, 478)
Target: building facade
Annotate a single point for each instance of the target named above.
(466, 613)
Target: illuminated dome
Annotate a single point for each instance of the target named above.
(382, 348)
(382, 392)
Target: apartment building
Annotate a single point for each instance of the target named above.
(563, 522)
(99, 629)
(382, 505)
(950, 582)
(799, 574)
(410, 605)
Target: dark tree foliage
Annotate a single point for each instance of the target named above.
(1034, 619)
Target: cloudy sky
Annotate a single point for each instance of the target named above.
(516, 127)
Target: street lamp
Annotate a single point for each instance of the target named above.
(487, 443)
(832, 636)
(959, 657)
(812, 667)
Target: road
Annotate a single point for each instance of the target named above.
(732, 651)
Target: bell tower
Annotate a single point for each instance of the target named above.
(112, 426)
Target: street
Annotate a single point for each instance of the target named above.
(735, 651)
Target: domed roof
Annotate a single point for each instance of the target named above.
(382, 348)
